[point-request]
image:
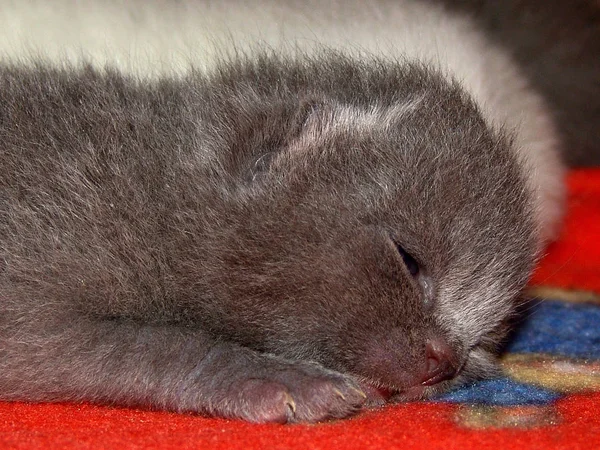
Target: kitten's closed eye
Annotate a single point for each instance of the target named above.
(409, 261)
(418, 273)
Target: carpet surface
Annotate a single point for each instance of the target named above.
(549, 397)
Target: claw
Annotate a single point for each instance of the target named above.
(291, 403)
(339, 393)
(359, 392)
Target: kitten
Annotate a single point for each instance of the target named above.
(326, 213)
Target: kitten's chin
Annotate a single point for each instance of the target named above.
(378, 395)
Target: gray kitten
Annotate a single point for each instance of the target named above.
(286, 234)
(192, 244)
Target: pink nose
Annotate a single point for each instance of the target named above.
(441, 362)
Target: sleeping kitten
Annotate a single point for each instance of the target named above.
(338, 206)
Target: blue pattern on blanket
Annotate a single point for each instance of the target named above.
(551, 327)
(569, 329)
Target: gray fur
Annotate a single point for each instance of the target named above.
(224, 244)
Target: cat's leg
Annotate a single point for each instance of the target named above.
(165, 367)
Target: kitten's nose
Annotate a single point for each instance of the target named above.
(441, 362)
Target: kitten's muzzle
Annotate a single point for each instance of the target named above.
(441, 362)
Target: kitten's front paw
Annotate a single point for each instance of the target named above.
(299, 393)
(238, 383)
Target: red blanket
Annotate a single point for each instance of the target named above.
(549, 398)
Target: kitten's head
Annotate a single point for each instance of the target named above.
(372, 220)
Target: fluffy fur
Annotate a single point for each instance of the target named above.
(158, 37)
(326, 212)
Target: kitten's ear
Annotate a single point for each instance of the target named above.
(305, 127)
(260, 166)
(313, 118)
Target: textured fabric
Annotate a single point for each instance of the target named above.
(549, 397)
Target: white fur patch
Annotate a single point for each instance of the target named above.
(338, 120)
